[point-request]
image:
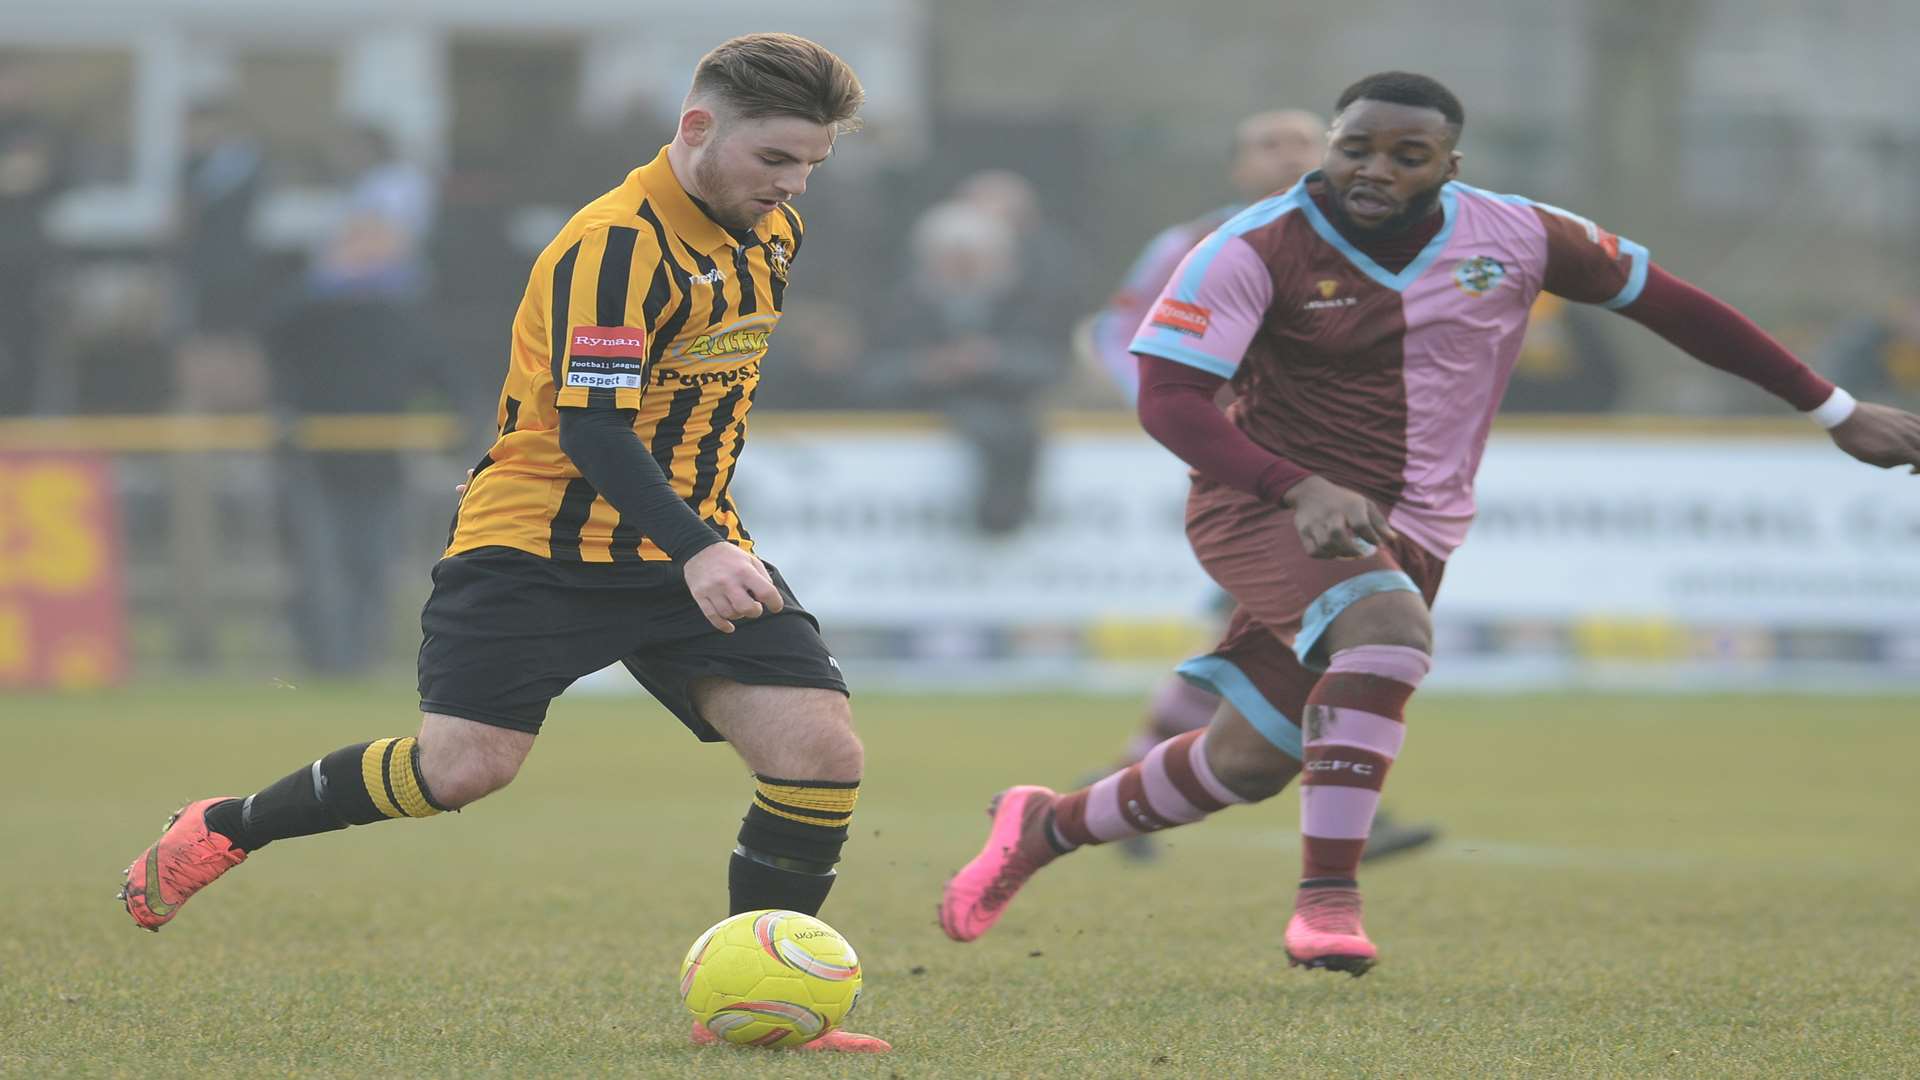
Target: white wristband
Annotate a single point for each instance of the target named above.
(1834, 411)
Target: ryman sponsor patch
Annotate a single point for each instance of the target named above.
(628, 341)
(607, 357)
(1182, 317)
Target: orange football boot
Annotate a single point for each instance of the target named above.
(186, 859)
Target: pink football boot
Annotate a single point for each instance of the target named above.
(976, 897)
(1325, 932)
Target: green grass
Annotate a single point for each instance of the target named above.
(1628, 887)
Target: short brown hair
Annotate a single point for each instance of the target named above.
(782, 75)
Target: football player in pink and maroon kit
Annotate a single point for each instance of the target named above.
(1367, 319)
(1271, 152)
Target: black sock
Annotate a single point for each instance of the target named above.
(788, 843)
(224, 818)
(753, 885)
(356, 785)
(1329, 883)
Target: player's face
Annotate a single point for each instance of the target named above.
(744, 169)
(1273, 150)
(1387, 163)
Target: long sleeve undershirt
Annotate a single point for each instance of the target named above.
(603, 444)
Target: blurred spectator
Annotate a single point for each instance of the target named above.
(115, 351)
(966, 334)
(222, 267)
(352, 341)
(1878, 356)
(222, 270)
(1271, 151)
(29, 178)
(1048, 255)
(1565, 364)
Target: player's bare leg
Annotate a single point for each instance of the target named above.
(807, 762)
(1352, 728)
(1181, 781)
(449, 764)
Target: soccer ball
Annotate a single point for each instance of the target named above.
(770, 978)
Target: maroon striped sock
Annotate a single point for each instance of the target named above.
(1352, 730)
(1172, 785)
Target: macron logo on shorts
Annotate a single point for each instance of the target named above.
(607, 357)
(1182, 317)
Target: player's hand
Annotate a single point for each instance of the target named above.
(1880, 435)
(461, 489)
(730, 584)
(1336, 522)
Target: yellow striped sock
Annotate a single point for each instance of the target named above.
(391, 771)
(826, 803)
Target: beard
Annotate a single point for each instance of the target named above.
(717, 194)
(1417, 208)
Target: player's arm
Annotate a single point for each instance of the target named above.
(726, 582)
(1177, 408)
(1587, 264)
(599, 357)
(1716, 333)
(609, 453)
(1188, 347)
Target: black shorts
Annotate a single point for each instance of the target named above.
(507, 631)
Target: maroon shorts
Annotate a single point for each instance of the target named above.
(1284, 600)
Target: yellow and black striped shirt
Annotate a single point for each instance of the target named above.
(642, 302)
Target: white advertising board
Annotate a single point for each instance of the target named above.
(1598, 562)
(875, 527)
(1781, 531)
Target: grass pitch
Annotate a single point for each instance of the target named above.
(1627, 887)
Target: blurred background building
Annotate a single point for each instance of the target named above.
(257, 266)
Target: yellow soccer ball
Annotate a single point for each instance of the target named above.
(770, 978)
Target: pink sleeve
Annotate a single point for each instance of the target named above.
(1212, 307)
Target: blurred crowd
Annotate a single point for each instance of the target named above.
(941, 285)
(961, 282)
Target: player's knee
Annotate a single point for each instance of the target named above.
(822, 744)
(1244, 759)
(1255, 775)
(836, 753)
(470, 781)
(463, 761)
(1393, 618)
(1412, 636)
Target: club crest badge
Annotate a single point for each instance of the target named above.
(1327, 287)
(777, 255)
(1479, 275)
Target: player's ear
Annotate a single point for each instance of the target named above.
(696, 125)
(1453, 164)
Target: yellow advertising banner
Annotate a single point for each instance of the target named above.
(63, 616)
